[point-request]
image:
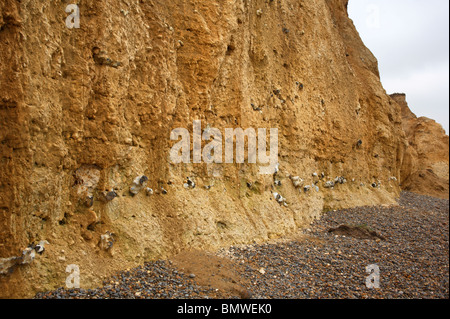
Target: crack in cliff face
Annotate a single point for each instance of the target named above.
(83, 111)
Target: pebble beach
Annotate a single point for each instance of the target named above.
(408, 245)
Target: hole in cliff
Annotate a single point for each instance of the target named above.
(230, 49)
(95, 51)
(221, 225)
(390, 117)
(64, 220)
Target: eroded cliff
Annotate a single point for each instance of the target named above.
(87, 110)
(425, 167)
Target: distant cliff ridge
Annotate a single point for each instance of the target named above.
(425, 168)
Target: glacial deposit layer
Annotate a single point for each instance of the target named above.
(87, 110)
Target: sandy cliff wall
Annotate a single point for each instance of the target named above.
(89, 109)
(425, 167)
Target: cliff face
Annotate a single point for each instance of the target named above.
(87, 110)
(425, 168)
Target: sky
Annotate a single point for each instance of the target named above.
(410, 39)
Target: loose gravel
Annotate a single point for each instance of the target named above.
(412, 258)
